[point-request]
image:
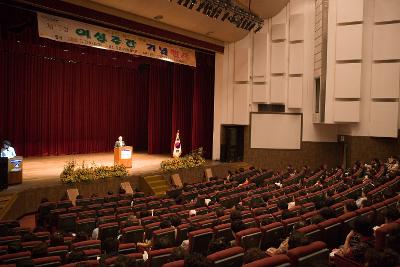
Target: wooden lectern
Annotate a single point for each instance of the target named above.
(123, 156)
(10, 171)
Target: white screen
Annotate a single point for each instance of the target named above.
(276, 131)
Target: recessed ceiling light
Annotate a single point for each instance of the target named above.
(158, 17)
(209, 33)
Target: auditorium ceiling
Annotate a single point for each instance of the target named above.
(170, 16)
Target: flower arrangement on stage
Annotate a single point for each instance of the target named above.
(75, 173)
(194, 159)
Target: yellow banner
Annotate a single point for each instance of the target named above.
(75, 32)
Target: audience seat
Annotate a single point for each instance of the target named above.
(346, 220)
(60, 251)
(199, 240)
(88, 214)
(168, 233)
(5, 240)
(182, 233)
(15, 257)
(274, 261)
(305, 256)
(133, 234)
(223, 230)
(272, 235)
(346, 262)
(47, 261)
(331, 230)
(227, 257)
(158, 257)
(108, 230)
(127, 248)
(84, 245)
(312, 231)
(382, 232)
(179, 263)
(92, 254)
(249, 238)
(150, 228)
(86, 225)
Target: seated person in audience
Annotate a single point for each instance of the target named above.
(81, 236)
(95, 233)
(217, 244)
(149, 243)
(196, 260)
(29, 237)
(358, 241)
(178, 253)
(57, 239)
(76, 256)
(365, 203)
(39, 251)
(236, 215)
(286, 214)
(192, 213)
(350, 206)
(124, 261)
(327, 213)
(163, 242)
(390, 214)
(219, 212)
(236, 227)
(387, 258)
(361, 198)
(253, 254)
(296, 239)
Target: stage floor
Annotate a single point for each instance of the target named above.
(40, 171)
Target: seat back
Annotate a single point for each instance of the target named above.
(272, 235)
(108, 230)
(199, 240)
(86, 225)
(312, 231)
(182, 233)
(274, 261)
(230, 257)
(47, 261)
(224, 230)
(249, 238)
(60, 251)
(85, 245)
(15, 257)
(158, 257)
(331, 229)
(304, 256)
(168, 233)
(382, 232)
(179, 263)
(345, 262)
(133, 234)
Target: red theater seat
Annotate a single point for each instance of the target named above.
(61, 251)
(15, 257)
(227, 257)
(84, 245)
(199, 240)
(331, 230)
(158, 257)
(127, 248)
(304, 256)
(179, 263)
(86, 225)
(249, 238)
(272, 235)
(223, 230)
(382, 232)
(47, 261)
(133, 234)
(278, 260)
(108, 230)
(312, 231)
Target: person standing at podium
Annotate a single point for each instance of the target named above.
(119, 142)
(7, 151)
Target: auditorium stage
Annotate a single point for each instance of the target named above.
(39, 171)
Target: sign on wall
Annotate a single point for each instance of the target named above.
(75, 32)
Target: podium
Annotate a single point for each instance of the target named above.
(10, 171)
(123, 156)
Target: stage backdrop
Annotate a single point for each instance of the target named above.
(59, 98)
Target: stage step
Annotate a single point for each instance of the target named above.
(157, 184)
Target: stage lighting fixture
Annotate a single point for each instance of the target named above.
(232, 12)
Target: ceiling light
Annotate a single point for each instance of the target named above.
(158, 17)
(225, 10)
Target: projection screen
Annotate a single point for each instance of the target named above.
(276, 130)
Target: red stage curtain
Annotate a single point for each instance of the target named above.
(58, 98)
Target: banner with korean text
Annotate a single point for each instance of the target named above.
(75, 32)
